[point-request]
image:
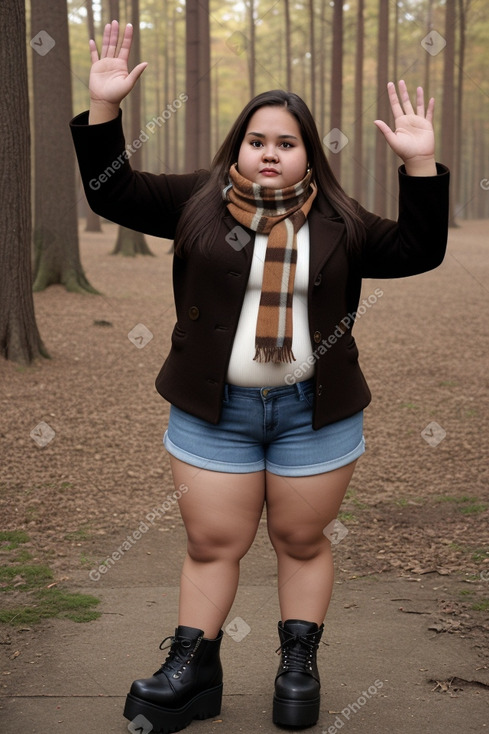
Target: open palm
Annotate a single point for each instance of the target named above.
(110, 79)
(413, 135)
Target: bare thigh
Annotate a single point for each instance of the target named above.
(299, 508)
(220, 511)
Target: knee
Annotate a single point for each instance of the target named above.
(208, 548)
(299, 543)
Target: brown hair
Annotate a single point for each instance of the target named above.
(202, 214)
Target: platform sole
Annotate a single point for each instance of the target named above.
(166, 721)
(299, 714)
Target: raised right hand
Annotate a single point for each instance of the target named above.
(110, 79)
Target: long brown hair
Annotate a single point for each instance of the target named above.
(202, 214)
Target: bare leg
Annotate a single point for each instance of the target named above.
(298, 510)
(221, 513)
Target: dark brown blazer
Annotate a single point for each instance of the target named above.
(209, 290)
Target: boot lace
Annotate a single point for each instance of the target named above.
(181, 652)
(298, 652)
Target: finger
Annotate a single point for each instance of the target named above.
(113, 38)
(431, 110)
(385, 129)
(93, 51)
(420, 102)
(406, 102)
(136, 72)
(126, 42)
(105, 41)
(396, 108)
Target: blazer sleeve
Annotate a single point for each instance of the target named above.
(146, 202)
(415, 243)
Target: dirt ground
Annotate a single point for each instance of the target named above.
(418, 504)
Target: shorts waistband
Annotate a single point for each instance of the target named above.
(259, 393)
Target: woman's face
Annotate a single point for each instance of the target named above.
(273, 153)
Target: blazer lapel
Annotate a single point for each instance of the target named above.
(325, 235)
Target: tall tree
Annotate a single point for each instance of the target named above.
(92, 219)
(57, 258)
(197, 109)
(336, 110)
(129, 242)
(448, 102)
(19, 336)
(251, 46)
(288, 47)
(358, 192)
(322, 67)
(312, 51)
(380, 197)
(463, 8)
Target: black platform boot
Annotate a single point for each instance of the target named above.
(187, 686)
(296, 700)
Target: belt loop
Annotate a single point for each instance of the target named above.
(226, 392)
(300, 390)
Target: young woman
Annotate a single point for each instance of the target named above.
(263, 377)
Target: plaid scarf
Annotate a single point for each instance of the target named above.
(280, 213)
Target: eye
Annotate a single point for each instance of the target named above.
(256, 143)
(286, 145)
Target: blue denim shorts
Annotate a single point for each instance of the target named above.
(265, 428)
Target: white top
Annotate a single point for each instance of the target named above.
(243, 370)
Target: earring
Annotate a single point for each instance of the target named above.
(225, 191)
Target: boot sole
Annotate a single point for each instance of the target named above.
(166, 721)
(295, 713)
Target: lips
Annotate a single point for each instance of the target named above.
(269, 171)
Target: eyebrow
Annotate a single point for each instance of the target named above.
(261, 135)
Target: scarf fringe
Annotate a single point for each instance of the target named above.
(274, 354)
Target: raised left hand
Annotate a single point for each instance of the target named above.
(413, 137)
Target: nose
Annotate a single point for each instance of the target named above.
(269, 154)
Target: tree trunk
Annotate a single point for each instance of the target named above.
(57, 258)
(383, 109)
(197, 108)
(358, 177)
(336, 110)
(312, 50)
(322, 68)
(448, 103)
(19, 336)
(130, 243)
(92, 222)
(288, 48)
(251, 48)
(463, 6)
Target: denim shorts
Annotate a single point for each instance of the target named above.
(265, 428)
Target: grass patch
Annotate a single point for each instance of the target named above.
(33, 582)
(466, 505)
(481, 606)
(82, 533)
(11, 539)
(24, 577)
(49, 603)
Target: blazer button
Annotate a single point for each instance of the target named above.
(193, 313)
(319, 390)
(317, 336)
(318, 279)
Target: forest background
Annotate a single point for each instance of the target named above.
(81, 460)
(206, 59)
